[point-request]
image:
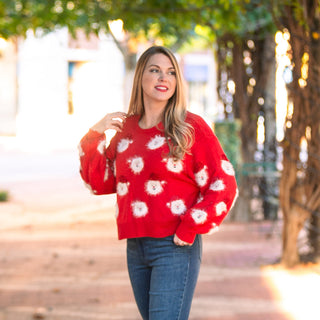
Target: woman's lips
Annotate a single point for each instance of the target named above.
(161, 88)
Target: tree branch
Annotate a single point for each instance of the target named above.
(145, 10)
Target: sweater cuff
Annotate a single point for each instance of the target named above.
(185, 234)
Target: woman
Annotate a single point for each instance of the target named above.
(173, 183)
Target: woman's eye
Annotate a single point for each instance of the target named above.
(154, 70)
(173, 73)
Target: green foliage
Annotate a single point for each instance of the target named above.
(4, 196)
(176, 22)
(228, 133)
(173, 17)
(255, 18)
(176, 18)
(19, 16)
(258, 18)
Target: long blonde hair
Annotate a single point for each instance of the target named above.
(178, 133)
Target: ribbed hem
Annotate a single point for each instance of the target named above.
(129, 230)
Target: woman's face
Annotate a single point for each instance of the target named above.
(158, 79)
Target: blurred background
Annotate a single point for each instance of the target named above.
(251, 70)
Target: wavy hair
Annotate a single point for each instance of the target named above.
(178, 133)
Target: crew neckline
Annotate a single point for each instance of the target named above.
(158, 127)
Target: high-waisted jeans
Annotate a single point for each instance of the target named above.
(163, 276)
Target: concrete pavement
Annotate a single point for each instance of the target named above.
(77, 271)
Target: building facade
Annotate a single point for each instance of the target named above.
(53, 87)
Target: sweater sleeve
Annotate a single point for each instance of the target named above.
(96, 163)
(215, 178)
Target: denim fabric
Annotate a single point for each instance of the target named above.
(163, 276)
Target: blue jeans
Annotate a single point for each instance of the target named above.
(163, 276)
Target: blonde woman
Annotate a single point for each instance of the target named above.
(173, 183)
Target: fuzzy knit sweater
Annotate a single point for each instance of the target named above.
(158, 196)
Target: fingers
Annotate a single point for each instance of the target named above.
(115, 125)
(110, 121)
(120, 115)
(115, 120)
(179, 242)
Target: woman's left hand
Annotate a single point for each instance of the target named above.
(177, 241)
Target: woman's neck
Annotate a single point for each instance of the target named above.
(151, 117)
(149, 122)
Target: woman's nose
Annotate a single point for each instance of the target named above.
(162, 76)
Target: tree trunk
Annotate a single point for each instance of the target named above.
(248, 145)
(290, 256)
(129, 53)
(261, 61)
(268, 182)
(314, 138)
(300, 181)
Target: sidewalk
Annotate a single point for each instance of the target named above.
(60, 260)
(78, 271)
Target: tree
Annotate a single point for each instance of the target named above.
(172, 17)
(173, 21)
(300, 181)
(246, 58)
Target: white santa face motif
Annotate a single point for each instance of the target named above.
(156, 142)
(221, 207)
(199, 216)
(202, 177)
(227, 168)
(175, 166)
(123, 145)
(154, 187)
(136, 164)
(218, 185)
(139, 209)
(177, 207)
(122, 188)
(101, 146)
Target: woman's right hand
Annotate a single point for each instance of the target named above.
(110, 121)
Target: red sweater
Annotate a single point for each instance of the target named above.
(157, 196)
